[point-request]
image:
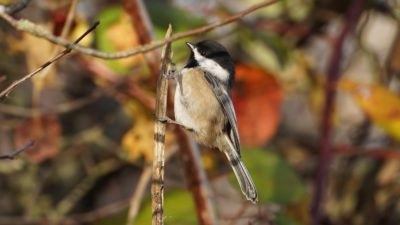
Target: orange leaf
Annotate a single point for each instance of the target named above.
(257, 97)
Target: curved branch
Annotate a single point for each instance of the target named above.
(27, 26)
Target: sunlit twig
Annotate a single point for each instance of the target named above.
(27, 26)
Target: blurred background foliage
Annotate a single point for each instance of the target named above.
(93, 126)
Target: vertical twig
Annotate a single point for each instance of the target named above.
(134, 203)
(157, 184)
(140, 189)
(353, 13)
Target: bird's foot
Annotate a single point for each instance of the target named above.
(166, 119)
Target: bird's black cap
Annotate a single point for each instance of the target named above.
(214, 51)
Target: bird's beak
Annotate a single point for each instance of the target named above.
(190, 45)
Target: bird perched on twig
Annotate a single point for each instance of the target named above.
(203, 106)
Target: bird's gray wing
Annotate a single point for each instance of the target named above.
(226, 103)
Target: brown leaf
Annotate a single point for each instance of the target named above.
(257, 97)
(45, 131)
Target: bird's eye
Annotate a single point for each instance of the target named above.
(202, 52)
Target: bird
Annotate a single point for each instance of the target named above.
(203, 106)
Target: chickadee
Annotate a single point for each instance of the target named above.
(204, 107)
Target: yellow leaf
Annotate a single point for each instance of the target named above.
(381, 105)
(138, 141)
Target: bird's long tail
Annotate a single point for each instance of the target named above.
(242, 174)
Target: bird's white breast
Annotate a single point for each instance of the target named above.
(181, 103)
(196, 106)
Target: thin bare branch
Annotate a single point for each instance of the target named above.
(14, 154)
(27, 26)
(138, 194)
(67, 50)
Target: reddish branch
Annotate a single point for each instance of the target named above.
(127, 87)
(352, 16)
(197, 180)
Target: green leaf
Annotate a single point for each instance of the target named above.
(179, 209)
(161, 14)
(275, 180)
(109, 17)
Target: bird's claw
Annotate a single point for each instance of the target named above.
(166, 119)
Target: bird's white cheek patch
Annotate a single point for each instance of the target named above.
(211, 66)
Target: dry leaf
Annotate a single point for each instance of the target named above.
(46, 131)
(257, 97)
